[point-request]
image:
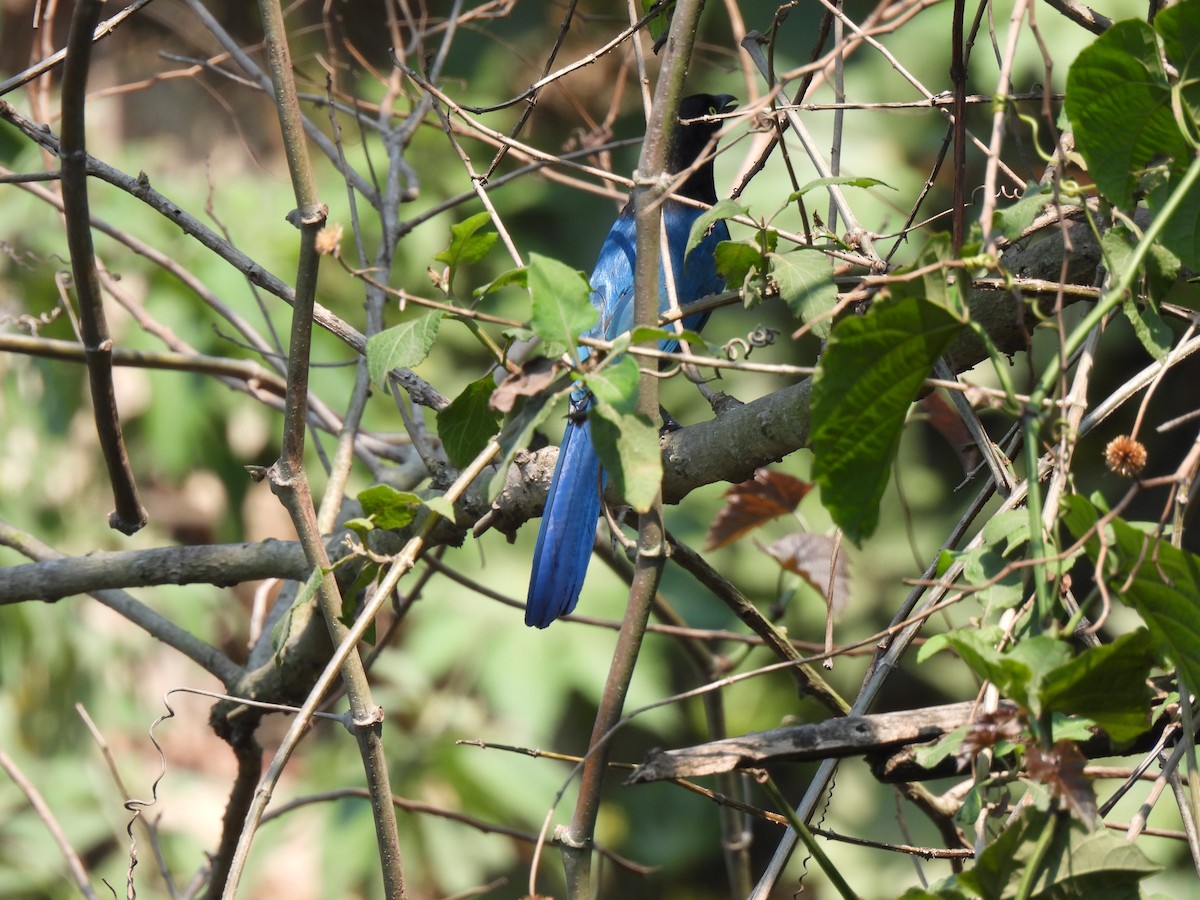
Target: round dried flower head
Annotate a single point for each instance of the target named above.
(329, 239)
(1125, 456)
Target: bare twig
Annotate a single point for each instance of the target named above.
(129, 515)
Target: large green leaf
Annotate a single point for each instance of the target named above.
(627, 444)
(1077, 863)
(468, 423)
(401, 346)
(868, 376)
(1160, 581)
(1107, 684)
(805, 283)
(1119, 101)
(562, 308)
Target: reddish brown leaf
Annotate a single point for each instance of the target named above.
(809, 556)
(1061, 769)
(752, 503)
(988, 730)
(945, 418)
(536, 375)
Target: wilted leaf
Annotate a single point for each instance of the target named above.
(1061, 769)
(811, 556)
(536, 375)
(941, 414)
(766, 496)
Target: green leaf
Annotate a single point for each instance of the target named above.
(468, 423)
(805, 282)
(389, 507)
(1077, 863)
(868, 376)
(1119, 101)
(1013, 220)
(562, 307)
(847, 180)
(1153, 333)
(737, 261)
(723, 209)
(1181, 235)
(1107, 684)
(661, 22)
(442, 507)
(518, 277)
(1158, 580)
(466, 244)
(616, 384)
(641, 334)
(401, 346)
(628, 447)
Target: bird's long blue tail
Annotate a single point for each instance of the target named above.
(564, 544)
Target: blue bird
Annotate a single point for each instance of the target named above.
(564, 543)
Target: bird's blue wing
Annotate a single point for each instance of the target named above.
(564, 544)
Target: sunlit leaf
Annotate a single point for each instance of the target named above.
(804, 279)
(562, 308)
(401, 346)
(627, 444)
(467, 245)
(389, 507)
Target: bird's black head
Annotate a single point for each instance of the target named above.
(691, 138)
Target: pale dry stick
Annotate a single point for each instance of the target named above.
(580, 63)
(1183, 801)
(404, 561)
(987, 213)
(43, 811)
(422, 392)
(478, 187)
(1169, 766)
(872, 686)
(915, 82)
(1076, 404)
(103, 30)
(395, 140)
(737, 26)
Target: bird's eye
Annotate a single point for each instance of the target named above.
(712, 110)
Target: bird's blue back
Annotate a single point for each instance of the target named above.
(564, 544)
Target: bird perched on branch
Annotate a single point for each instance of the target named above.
(564, 543)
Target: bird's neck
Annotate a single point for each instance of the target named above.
(700, 185)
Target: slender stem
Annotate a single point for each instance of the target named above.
(650, 185)
(129, 515)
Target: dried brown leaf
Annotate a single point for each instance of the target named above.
(752, 503)
(811, 556)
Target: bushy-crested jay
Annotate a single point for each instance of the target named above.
(564, 543)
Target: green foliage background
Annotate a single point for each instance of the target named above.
(462, 666)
